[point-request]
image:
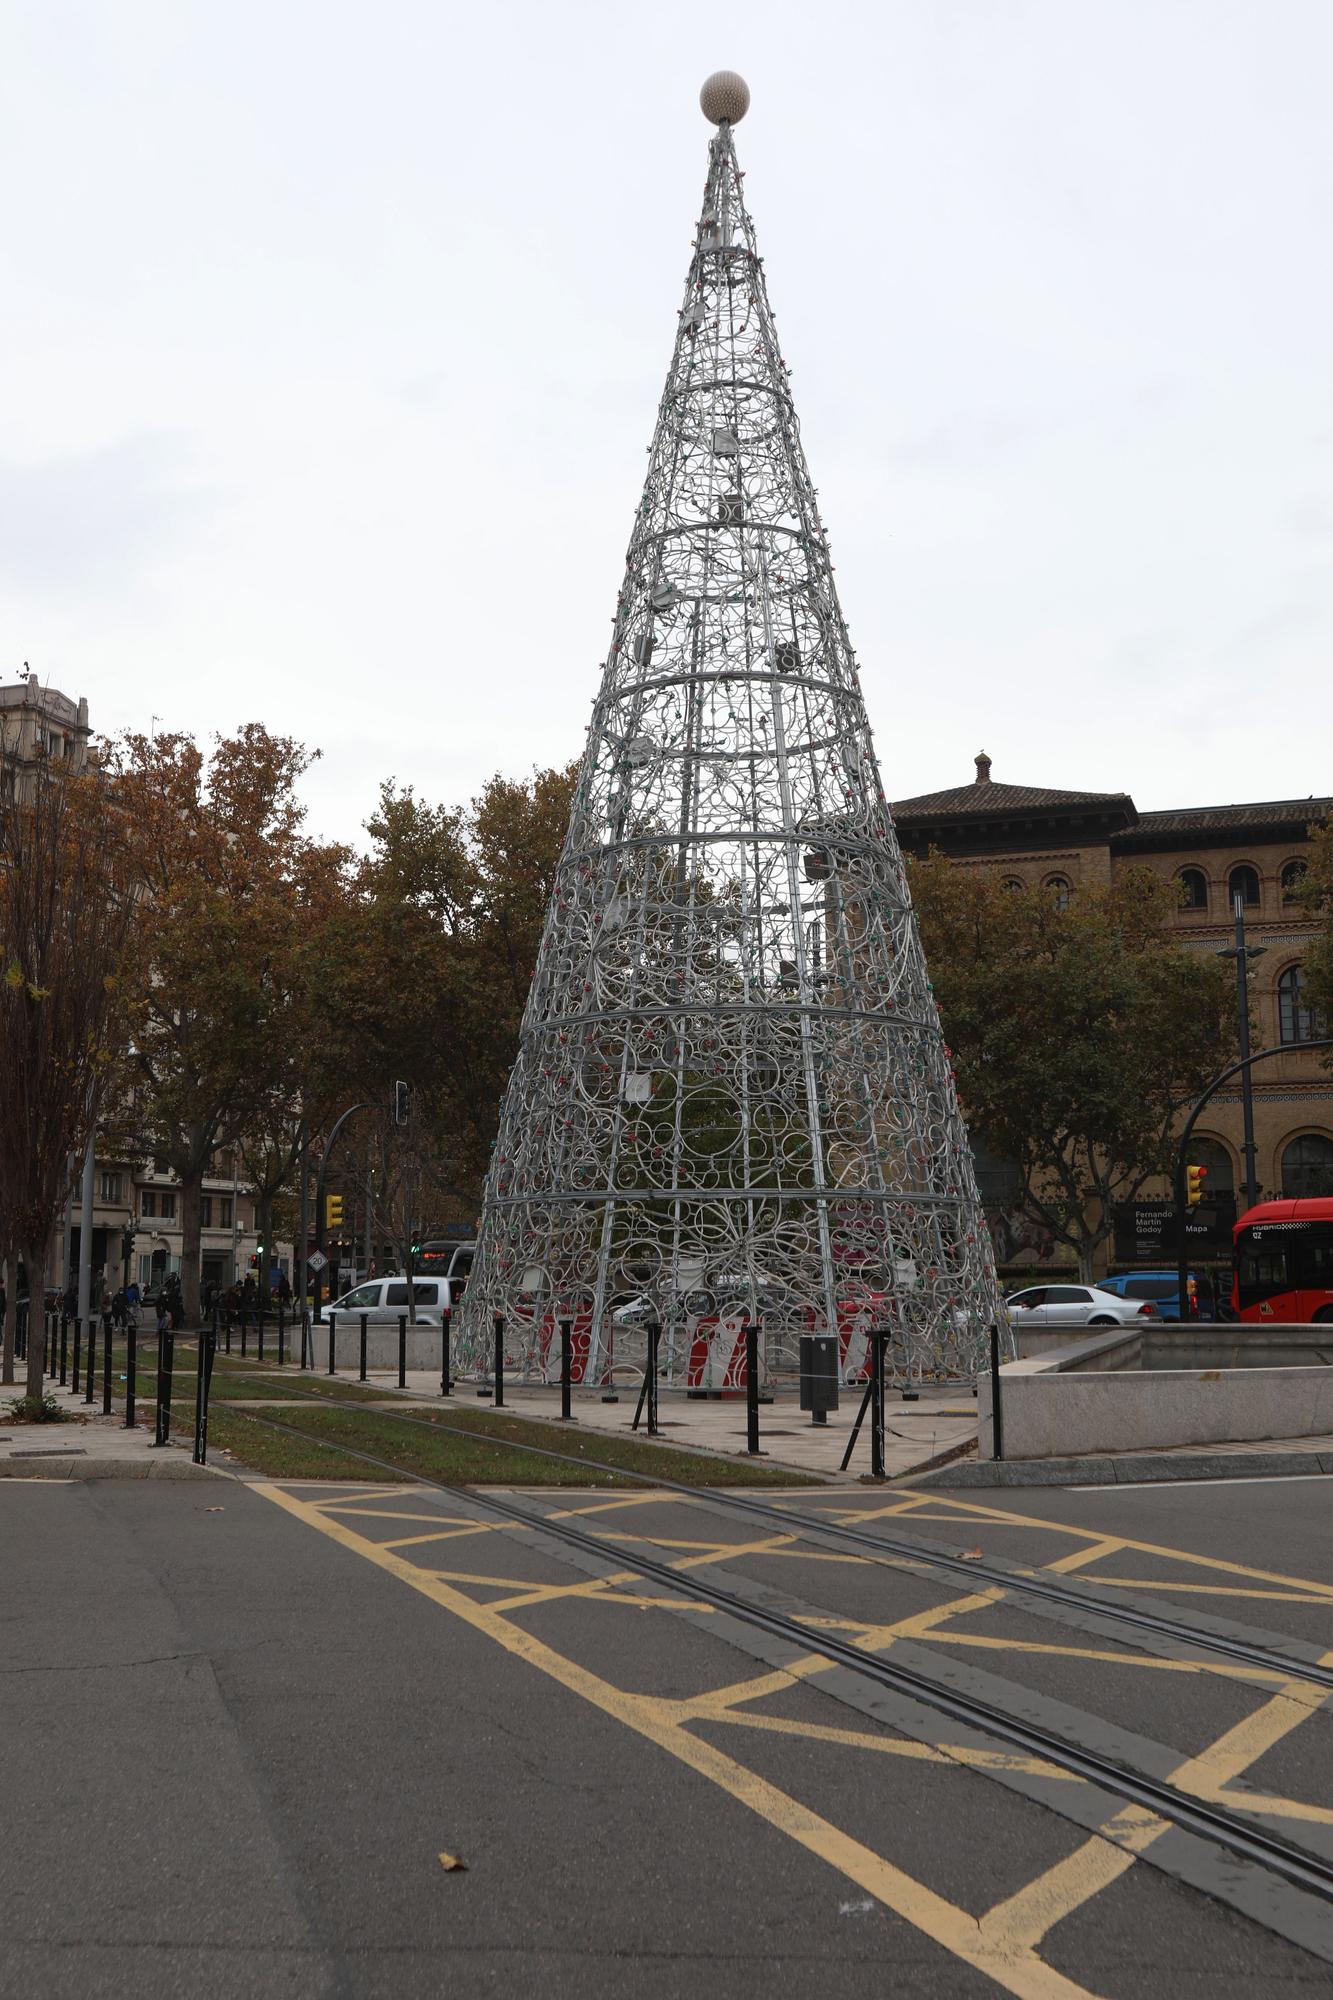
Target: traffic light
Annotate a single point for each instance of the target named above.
(333, 1211)
(400, 1095)
(1194, 1180)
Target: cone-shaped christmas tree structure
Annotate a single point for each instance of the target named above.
(732, 1097)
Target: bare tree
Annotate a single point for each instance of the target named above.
(66, 905)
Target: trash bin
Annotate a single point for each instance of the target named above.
(819, 1374)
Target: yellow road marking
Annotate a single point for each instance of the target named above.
(1092, 1553)
(1022, 1920)
(1004, 1516)
(890, 1746)
(1015, 1967)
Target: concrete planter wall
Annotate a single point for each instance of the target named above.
(1103, 1393)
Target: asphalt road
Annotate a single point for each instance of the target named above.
(240, 1730)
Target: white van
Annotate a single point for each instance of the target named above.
(383, 1300)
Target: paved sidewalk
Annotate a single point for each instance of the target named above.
(93, 1446)
(1273, 1458)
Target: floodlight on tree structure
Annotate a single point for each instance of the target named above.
(732, 1098)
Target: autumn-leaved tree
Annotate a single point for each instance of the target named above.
(67, 888)
(1078, 1034)
(233, 891)
(424, 970)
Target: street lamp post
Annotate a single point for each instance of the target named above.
(1243, 953)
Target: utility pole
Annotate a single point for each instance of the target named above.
(1243, 953)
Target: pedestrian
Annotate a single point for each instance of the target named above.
(163, 1316)
(284, 1290)
(133, 1296)
(118, 1308)
(108, 1313)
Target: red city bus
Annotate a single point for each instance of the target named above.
(1284, 1261)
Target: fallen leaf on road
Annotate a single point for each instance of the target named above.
(215, 1510)
(971, 1555)
(453, 1863)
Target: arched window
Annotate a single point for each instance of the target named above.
(1297, 1022)
(1215, 1158)
(1243, 882)
(1307, 1166)
(1057, 888)
(1193, 889)
(1011, 882)
(1293, 874)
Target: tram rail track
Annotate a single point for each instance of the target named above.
(1296, 1866)
(895, 1549)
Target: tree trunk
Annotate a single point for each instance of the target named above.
(34, 1263)
(192, 1185)
(11, 1279)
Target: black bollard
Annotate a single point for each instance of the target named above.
(131, 1365)
(364, 1318)
(106, 1370)
(878, 1342)
(446, 1385)
(566, 1413)
(333, 1321)
(208, 1340)
(90, 1370)
(751, 1333)
(166, 1346)
(226, 1329)
(307, 1340)
(245, 1329)
(78, 1341)
(64, 1346)
(261, 1330)
(282, 1329)
(402, 1350)
(499, 1361)
(996, 1412)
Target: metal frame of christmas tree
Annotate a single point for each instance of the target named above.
(732, 1098)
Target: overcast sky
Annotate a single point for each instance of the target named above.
(333, 336)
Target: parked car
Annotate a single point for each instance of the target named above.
(1162, 1287)
(1076, 1305)
(384, 1299)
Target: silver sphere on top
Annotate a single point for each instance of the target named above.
(725, 98)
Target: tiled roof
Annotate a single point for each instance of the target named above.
(1205, 819)
(991, 800)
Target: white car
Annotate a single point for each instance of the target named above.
(1076, 1305)
(382, 1300)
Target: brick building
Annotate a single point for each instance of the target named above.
(1065, 841)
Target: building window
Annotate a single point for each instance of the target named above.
(167, 1204)
(1011, 882)
(1057, 888)
(1307, 1167)
(111, 1189)
(148, 1201)
(1243, 882)
(205, 1211)
(1297, 1022)
(1193, 889)
(1293, 875)
(224, 1211)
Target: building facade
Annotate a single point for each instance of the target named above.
(1067, 841)
(35, 722)
(144, 1197)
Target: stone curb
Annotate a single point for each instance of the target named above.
(1127, 1471)
(70, 1465)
